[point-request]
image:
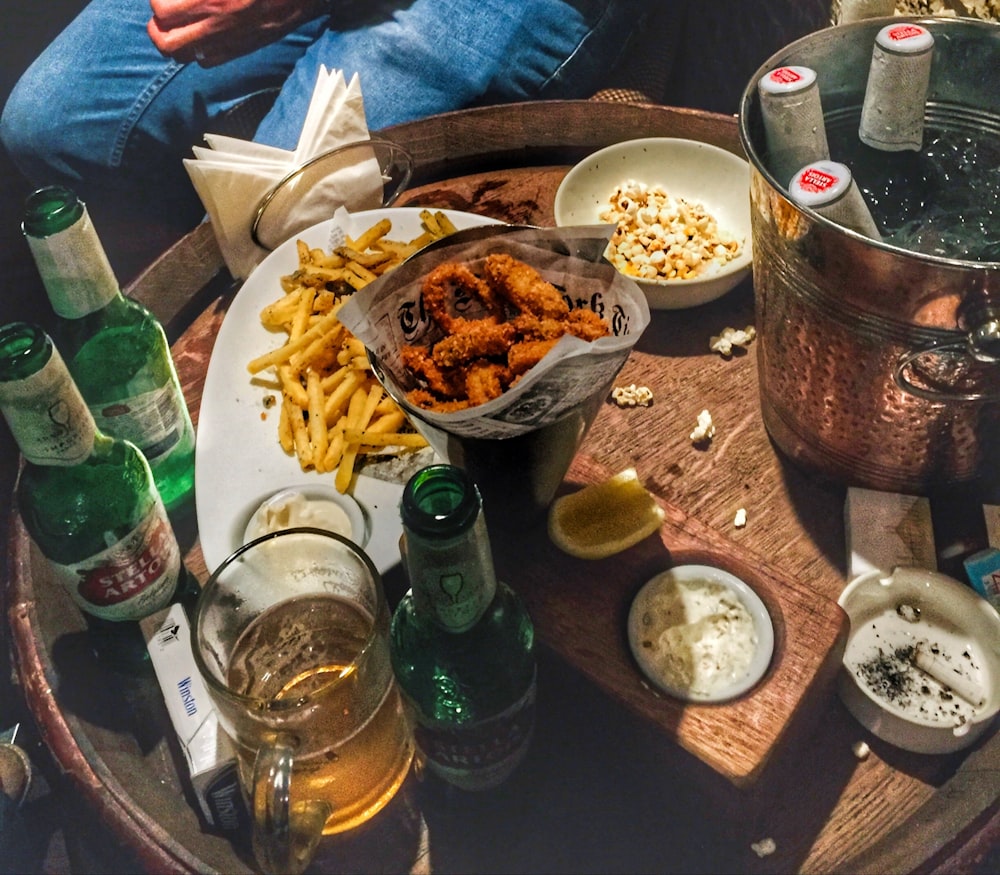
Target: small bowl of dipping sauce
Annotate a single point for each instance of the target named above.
(700, 634)
(316, 506)
(921, 667)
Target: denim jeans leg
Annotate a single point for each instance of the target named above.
(431, 56)
(117, 117)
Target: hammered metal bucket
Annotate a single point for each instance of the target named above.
(878, 367)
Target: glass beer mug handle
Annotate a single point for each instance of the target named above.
(284, 837)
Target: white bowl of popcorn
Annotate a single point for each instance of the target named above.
(682, 208)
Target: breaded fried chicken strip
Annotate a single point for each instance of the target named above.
(477, 339)
(523, 287)
(447, 282)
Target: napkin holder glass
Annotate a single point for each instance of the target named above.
(275, 221)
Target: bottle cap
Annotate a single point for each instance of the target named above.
(828, 187)
(820, 183)
(787, 80)
(905, 38)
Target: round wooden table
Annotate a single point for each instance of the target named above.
(618, 778)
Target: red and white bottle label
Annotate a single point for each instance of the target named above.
(786, 76)
(902, 32)
(130, 579)
(817, 181)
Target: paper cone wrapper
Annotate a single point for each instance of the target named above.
(388, 315)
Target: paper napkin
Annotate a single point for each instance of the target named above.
(233, 176)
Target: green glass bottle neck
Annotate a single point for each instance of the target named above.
(72, 262)
(24, 350)
(50, 210)
(452, 581)
(42, 405)
(446, 547)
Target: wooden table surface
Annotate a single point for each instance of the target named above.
(618, 779)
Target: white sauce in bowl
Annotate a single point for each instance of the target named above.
(291, 508)
(700, 634)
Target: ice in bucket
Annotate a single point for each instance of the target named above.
(516, 447)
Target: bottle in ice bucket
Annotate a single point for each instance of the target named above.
(792, 112)
(87, 500)
(859, 10)
(892, 115)
(114, 347)
(462, 642)
(828, 188)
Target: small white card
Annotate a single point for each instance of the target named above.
(887, 529)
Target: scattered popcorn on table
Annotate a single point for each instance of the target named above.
(741, 518)
(705, 429)
(662, 237)
(861, 750)
(765, 847)
(632, 396)
(730, 337)
(988, 10)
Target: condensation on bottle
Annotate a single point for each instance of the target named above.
(892, 115)
(792, 112)
(828, 187)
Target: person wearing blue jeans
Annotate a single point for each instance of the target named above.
(115, 103)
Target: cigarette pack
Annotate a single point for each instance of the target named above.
(983, 570)
(210, 755)
(887, 529)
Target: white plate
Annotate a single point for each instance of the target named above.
(238, 462)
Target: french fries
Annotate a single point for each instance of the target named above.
(333, 409)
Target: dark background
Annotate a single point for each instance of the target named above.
(26, 28)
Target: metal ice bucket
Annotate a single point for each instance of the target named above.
(878, 367)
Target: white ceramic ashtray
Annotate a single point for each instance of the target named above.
(700, 634)
(921, 667)
(317, 506)
(714, 184)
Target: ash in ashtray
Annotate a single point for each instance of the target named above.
(889, 675)
(892, 674)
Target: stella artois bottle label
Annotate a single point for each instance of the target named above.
(130, 579)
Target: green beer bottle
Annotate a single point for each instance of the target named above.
(87, 500)
(462, 642)
(114, 347)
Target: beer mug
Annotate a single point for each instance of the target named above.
(291, 636)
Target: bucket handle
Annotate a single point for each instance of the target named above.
(982, 345)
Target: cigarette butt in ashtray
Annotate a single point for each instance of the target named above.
(931, 664)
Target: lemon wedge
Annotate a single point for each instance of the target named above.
(604, 518)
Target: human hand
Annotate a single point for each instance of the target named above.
(212, 32)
